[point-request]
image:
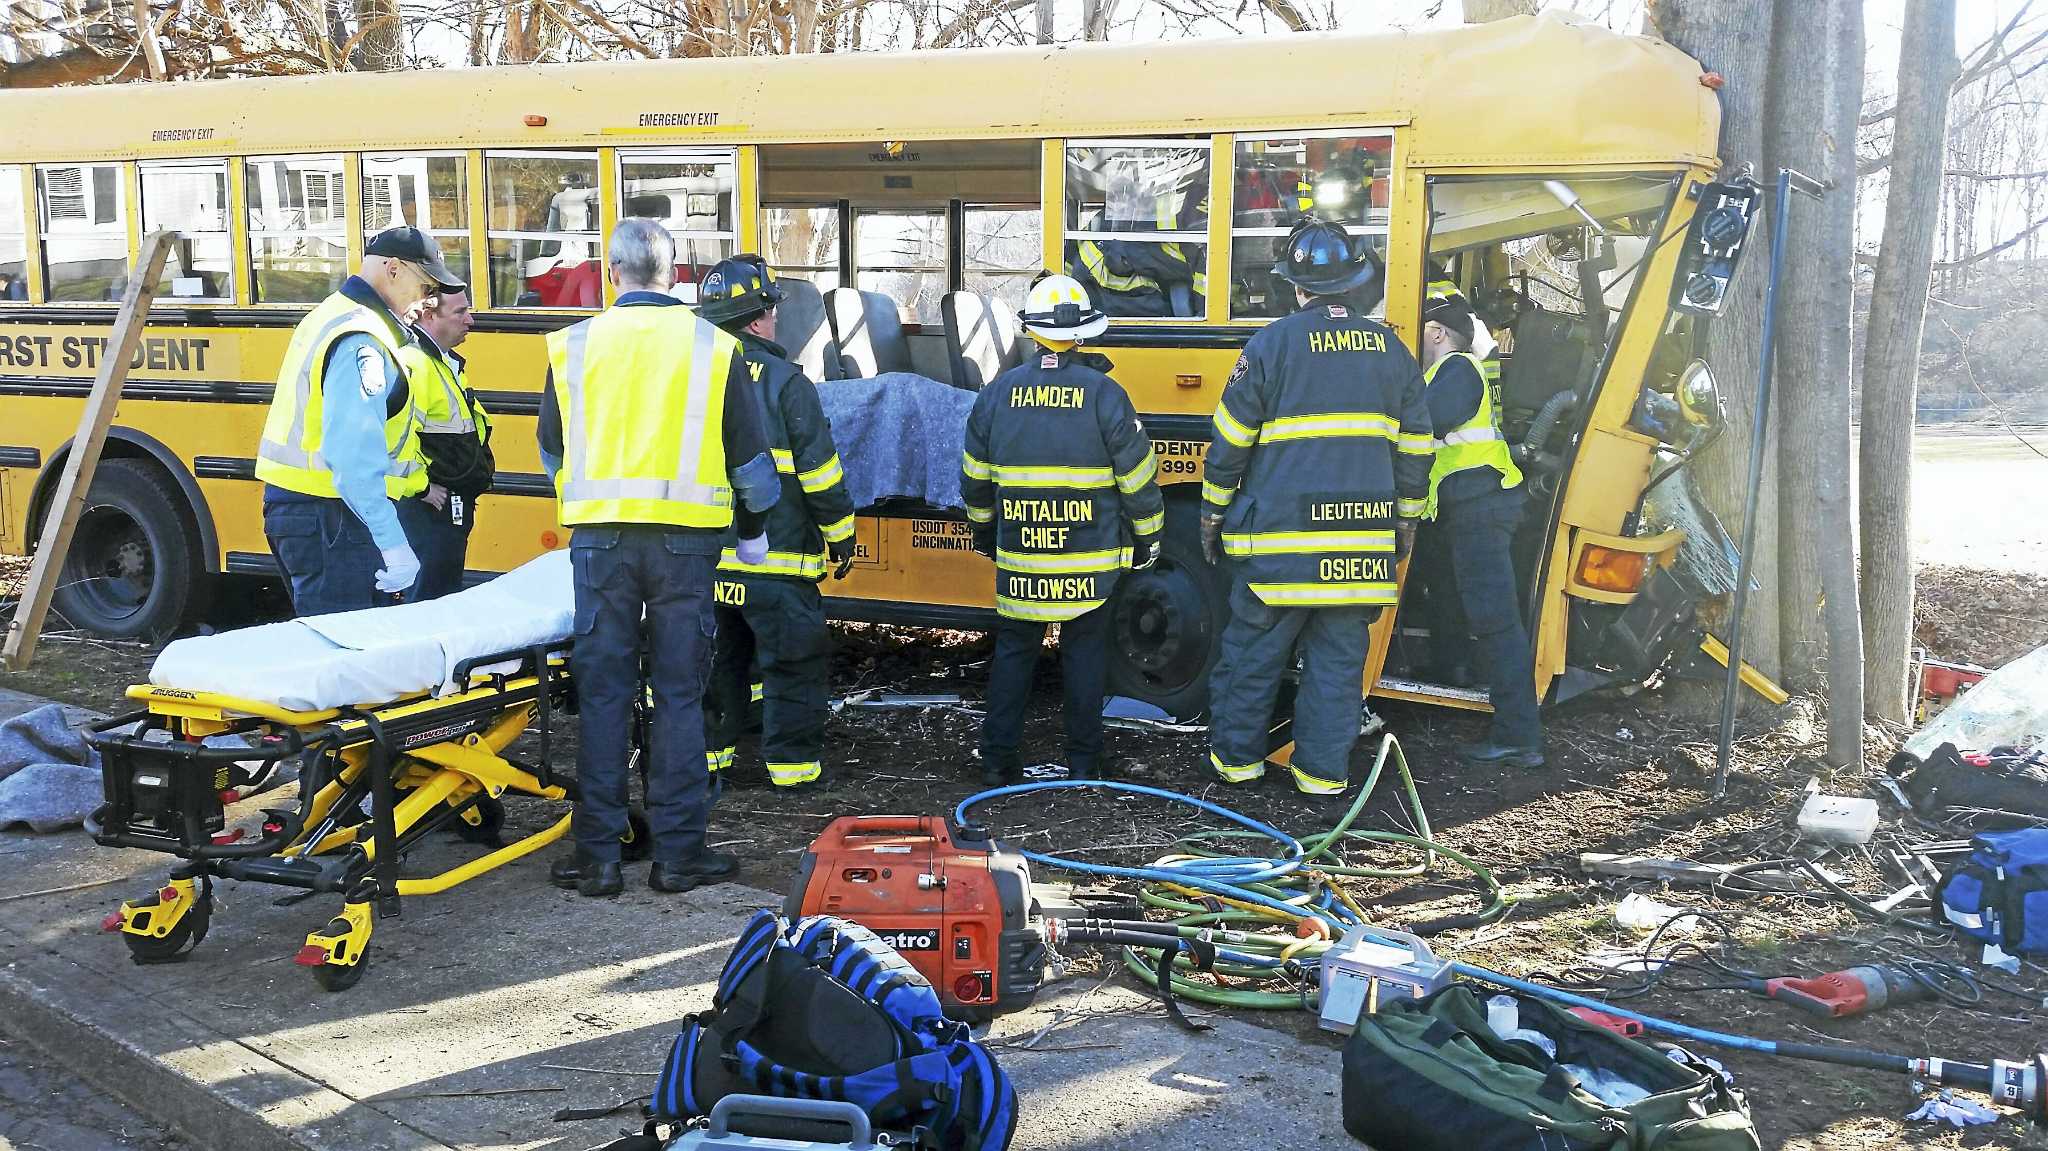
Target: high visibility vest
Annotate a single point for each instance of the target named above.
(289, 455)
(641, 392)
(439, 400)
(1477, 443)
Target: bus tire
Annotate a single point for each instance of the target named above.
(133, 570)
(1168, 624)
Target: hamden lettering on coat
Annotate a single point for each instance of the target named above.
(1047, 396)
(1047, 589)
(1346, 340)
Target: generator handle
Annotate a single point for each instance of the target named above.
(888, 825)
(818, 1110)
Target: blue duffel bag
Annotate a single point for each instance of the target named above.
(1999, 894)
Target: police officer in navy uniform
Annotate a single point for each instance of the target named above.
(769, 609)
(1476, 500)
(1060, 484)
(1317, 469)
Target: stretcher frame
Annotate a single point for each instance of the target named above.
(424, 763)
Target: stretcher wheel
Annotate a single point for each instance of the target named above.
(341, 976)
(639, 841)
(189, 933)
(490, 822)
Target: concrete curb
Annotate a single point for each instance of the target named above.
(216, 1092)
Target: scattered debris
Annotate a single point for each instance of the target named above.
(1638, 912)
(1946, 1108)
(1838, 819)
(1683, 871)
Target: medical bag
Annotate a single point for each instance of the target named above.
(952, 901)
(1998, 894)
(1432, 1074)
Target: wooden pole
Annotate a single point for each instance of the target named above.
(84, 459)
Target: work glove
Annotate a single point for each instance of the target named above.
(985, 540)
(841, 554)
(1212, 535)
(1404, 540)
(1144, 552)
(753, 549)
(401, 570)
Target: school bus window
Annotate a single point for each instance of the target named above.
(1278, 180)
(1137, 216)
(85, 231)
(801, 241)
(691, 193)
(543, 229)
(298, 228)
(191, 197)
(13, 237)
(424, 190)
(1005, 246)
(902, 255)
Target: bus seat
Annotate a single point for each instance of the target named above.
(801, 329)
(981, 338)
(869, 332)
(1552, 354)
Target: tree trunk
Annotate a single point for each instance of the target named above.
(380, 35)
(1732, 37)
(1891, 351)
(1044, 15)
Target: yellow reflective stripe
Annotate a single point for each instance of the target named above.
(754, 691)
(1470, 436)
(977, 515)
(1327, 424)
(1064, 563)
(974, 469)
(809, 565)
(822, 477)
(1044, 612)
(1237, 772)
(1151, 525)
(1315, 785)
(1408, 508)
(1049, 476)
(839, 529)
(1417, 444)
(1219, 496)
(718, 759)
(1230, 429)
(785, 460)
(1307, 543)
(790, 774)
(1324, 594)
(1130, 481)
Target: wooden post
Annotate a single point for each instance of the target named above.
(84, 459)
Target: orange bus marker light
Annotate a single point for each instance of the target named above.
(550, 540)
(533, 121)
(1606, 569)
(1187, 380)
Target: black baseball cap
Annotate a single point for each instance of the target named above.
(417, 248)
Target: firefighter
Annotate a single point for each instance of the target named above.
(654, 456)
(340, 442)
(1317, 469)
(770, 610)
(1476, 500)
(455, 437)
(1059, 482)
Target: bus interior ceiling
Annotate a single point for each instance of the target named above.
(909, 221)
(1528, 259)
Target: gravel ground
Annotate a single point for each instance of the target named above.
(44, 1108)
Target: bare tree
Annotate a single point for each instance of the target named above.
(1732, 38)
(1891, 352)
(1487, 11)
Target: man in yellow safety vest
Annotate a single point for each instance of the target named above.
(455, 439)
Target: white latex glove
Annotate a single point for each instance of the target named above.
(753, 551)
(401, 569)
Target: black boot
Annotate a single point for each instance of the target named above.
(601, 880)
(705, 867)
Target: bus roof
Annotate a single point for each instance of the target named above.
(1548, 91)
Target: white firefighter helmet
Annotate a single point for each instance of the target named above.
(1058, 308)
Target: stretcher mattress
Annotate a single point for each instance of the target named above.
(378, 654)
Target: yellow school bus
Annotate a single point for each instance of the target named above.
(1551, 168)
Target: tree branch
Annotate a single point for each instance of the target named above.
(1993, 177)
(1980, 257)
(598, 18)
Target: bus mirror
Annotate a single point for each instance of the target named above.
(1713, 246)
(1699, 397)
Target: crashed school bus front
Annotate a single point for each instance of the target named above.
(1548, 167)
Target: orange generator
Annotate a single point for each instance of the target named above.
(952, 901)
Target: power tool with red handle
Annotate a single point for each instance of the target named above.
(1852, 991)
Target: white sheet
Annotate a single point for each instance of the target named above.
(379, 654)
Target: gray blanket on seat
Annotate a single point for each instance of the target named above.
(899, 436)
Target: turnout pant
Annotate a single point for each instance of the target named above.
(1259, 645)
(441, 544)
(330, 562)
(1084, 669)
(1481, 533)
(630, 577)
(780, 623)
